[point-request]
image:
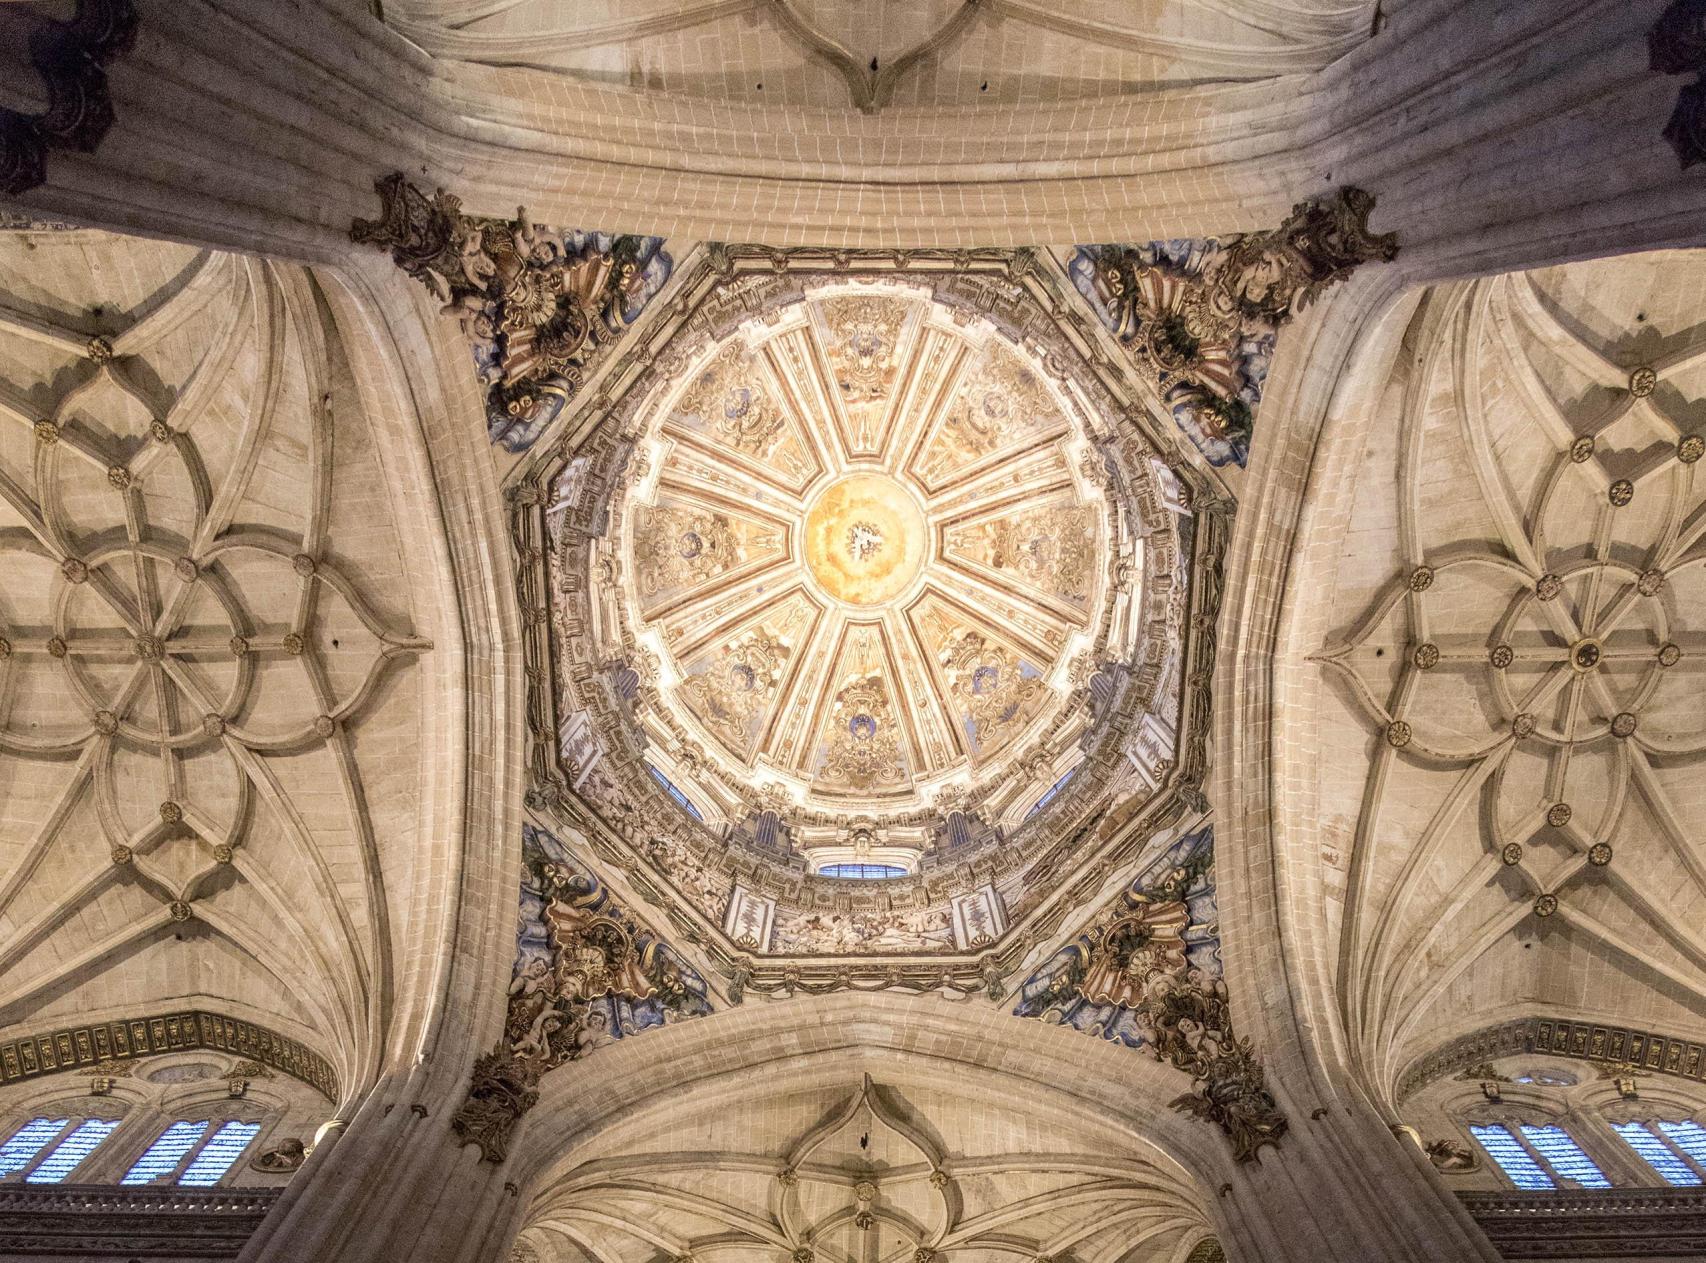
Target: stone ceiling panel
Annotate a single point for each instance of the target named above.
(206, 644)
(1514, 679)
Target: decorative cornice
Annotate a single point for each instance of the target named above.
(1677, 46)
(126, 1039)
(1559, 1037)
(75, 1221)
(69, 56)
(1624, 1223)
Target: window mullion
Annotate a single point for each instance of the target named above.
(1515, 1131)
(72, 1123)
(212, 1130)
(1654, 1131)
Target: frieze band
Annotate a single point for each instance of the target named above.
(1561, 1037)
(126, 1039)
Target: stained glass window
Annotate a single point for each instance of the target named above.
(165, 1153)
(29, 1140)
(1656, 1154)
(218, 1154)
(1048, 796)
(1689, 1136)
(1515, 1161)
(1565, 1156)
(670, 788)
(862, 871)
(69, 1153)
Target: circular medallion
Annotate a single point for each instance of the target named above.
(1558, 815)
(1643, 381)
(1398, 734)
(171, 812)
(186, 569)
(222, 854)
(47, 433)
(1620, 493)
(121, 855)
(1581, 450)
(1690, 448)
(56, 647)
(1599, 854)
(1548, 587)
(1425, 655)
(1501, 656)
(1512, 854)
(1623, 724)
(179, 909)
(148, 648)
(1669, 655)
(1523, 725)
(1421, 578)
(865, 540)
(1650, 582)
(1545, 905)
(294, 644)
(106, 723)
(119, 478)
(1585, 655)
(74, 570)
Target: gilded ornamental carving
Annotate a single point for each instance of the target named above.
(538, 306)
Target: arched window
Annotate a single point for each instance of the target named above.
(77, 1139)
(1676, 1151)
(674, 792)
(863, 872)
(1538, 1157)
(1049, 794)
(167, 1156)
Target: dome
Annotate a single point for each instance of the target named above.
(867, 551)
(870, 569)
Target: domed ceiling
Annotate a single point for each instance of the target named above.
(861, 558)
(867, 551)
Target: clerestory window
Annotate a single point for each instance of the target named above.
(24, 1150)
(1539, 1157)
(1675, 1150)
(186, 1151)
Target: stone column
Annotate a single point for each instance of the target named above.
(396, 1184)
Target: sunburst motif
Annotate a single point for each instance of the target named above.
(909, 532)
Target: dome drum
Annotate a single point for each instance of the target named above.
(869, 560)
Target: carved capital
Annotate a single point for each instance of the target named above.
(1676, 45)
(69, 56)
(503, 1090)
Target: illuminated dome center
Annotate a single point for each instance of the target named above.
(865, 540)
(865, 544)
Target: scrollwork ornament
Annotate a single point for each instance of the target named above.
(503, 1089)
(537, 306)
